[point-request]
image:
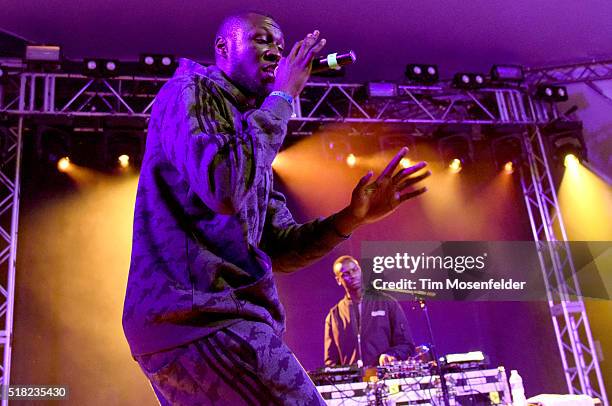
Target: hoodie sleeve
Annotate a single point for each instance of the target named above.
(291, 245)
(220, 163)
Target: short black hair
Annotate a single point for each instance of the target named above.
(231, 22)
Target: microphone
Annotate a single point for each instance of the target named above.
(333, 61)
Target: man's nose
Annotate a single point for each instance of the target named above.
(273, 54)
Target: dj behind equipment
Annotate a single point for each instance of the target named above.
(455, 379)
(370, 358)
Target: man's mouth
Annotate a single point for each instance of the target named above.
(270, 70)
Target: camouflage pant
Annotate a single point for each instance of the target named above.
(244, 364)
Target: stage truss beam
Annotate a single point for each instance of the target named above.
(571, 73)
(11, 132)
(83, 101)
(570, 321)
(79, 97)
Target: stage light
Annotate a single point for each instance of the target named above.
(2, 72)
(95, 67)
(63, 164)
(552, 93)
(455, 165)
(422, 73)
(123, 146)
(381, 89)
(124, 160)
(566, 139)
(158, 64)
(455, 146)
(507, 73)
(405, 163)
(465, 80)
(43, 54)
(53, 144)
(507, 150)
(571, 161)
(351, 160)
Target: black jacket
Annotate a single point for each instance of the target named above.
(384, 330)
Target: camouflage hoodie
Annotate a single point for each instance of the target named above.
(208, 226)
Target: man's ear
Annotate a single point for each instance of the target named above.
(221, 46)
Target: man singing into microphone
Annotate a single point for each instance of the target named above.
(201, 312)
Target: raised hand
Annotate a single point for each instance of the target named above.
(371, 201)
(294, 69)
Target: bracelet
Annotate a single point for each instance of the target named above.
(284, 96)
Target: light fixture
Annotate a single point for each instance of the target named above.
(123, 146)
(381, 89)
(565, 139)
(158, 64)
(455, 165)
(124, 160)
(467, 80)
(63, 164)
(43, 54)
(54, 146)
(96, 67)
(552, 93)
(571, 161)
(422, 73)
(351, 160)
(456, 150)
(507, 151)
(507, 73)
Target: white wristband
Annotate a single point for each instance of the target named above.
(284, 96)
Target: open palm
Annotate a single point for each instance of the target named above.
(371, 201)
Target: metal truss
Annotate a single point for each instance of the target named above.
(10, 165)
(571, 73)
(70, 95)
(80, 97)
(85, 101)
(569, 317)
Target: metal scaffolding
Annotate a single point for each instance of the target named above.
(86, 102)
(571, 73)
(10, 170)
(588, 73)
(570, 321)
(80, 97)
